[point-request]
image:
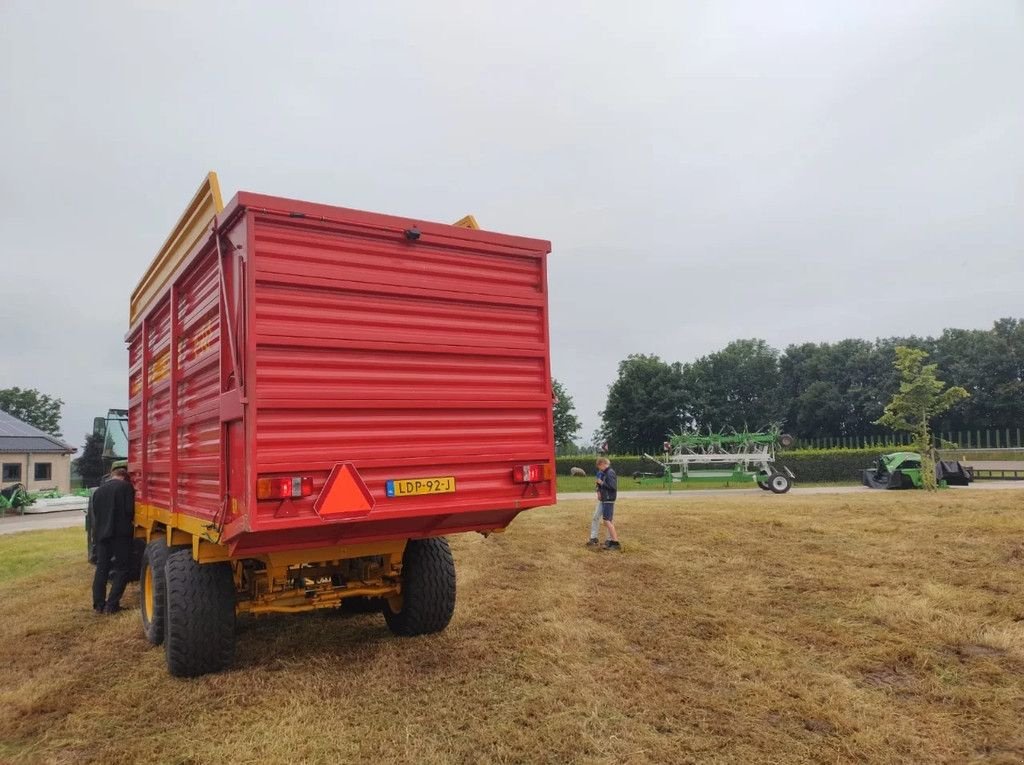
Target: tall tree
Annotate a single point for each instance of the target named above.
(645, 403)
(737, 387)
(91, 465)
(921, 397)
(33, 407)
(566, 422)
(989, 364)
(835, 389)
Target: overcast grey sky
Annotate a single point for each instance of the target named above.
(705, 170)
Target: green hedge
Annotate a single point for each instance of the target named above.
(830, 465)
(808, 465)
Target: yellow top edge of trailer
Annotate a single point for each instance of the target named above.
(192, 224)
(467, 221)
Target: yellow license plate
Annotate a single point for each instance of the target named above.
(409, 487)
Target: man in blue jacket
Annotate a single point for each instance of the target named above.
(607, 492)
(113, 508)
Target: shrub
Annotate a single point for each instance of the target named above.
(829, 465)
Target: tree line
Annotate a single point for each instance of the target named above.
(816, 390)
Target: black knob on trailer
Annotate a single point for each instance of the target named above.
(412, 234)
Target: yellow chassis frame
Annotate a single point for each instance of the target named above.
(152, 522)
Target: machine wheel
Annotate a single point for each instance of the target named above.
(427, 601)
(153, 590)
(779, 483)
(138, 550)
(762, 480)
(200, 626)
(90, 544)
(786, 440)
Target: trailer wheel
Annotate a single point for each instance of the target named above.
(153, 590)
(138, 550)
(200, 627)
(427, 601)
(779, 483)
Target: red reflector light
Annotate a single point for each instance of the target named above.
(532, 473)
(284, 488)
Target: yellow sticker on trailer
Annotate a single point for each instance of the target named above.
(410, 487)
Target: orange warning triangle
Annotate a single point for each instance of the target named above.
(344, 493)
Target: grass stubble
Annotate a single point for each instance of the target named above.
(877, 628)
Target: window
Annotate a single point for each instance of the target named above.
(12, 472)
(43, 471)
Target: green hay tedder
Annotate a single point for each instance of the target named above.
(737, 457)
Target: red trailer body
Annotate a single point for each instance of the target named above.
(302, 336)
(296, 337)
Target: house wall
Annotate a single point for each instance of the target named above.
(60, 470)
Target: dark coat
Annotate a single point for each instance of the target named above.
(610, 490)
(113, 510)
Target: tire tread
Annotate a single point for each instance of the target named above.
(200, 632)
(155, 555)
(428, 589)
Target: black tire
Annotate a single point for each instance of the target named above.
(200, 628)
(90, 543)
(786, 440)
(138, 550)
(762, 480)
(153, 590)
(779, 483)
(428, 589)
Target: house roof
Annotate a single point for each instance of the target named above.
(18, 436)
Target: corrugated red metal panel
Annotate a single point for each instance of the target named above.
(312, 335)
(187, 435)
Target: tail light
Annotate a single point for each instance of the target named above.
(284, 488)
(532, 473)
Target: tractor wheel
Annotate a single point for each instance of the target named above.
(90, 543)
(779, 483)
(138, 550)
(200, 628)
(763, 485)
(153, 590)
(786, 440)
(427, 601)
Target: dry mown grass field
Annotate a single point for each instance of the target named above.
(877, 627)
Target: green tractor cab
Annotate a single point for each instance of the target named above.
(902, 470)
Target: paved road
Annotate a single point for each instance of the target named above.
(15, 523)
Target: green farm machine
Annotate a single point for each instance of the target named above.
(741, 458)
